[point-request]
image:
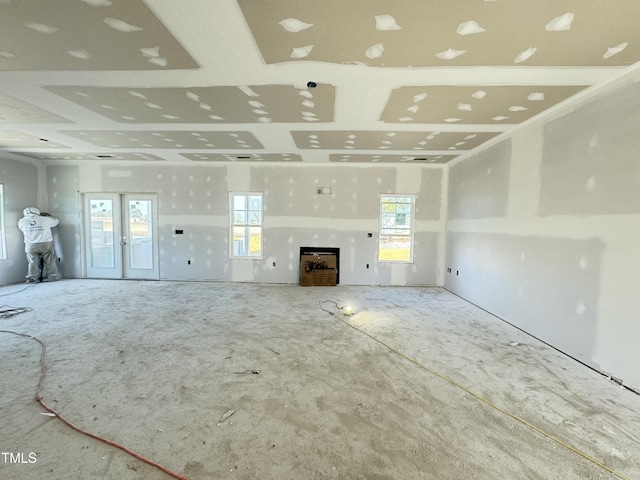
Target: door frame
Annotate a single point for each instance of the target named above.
(120, 240)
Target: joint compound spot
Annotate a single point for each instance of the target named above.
(615, 50)
(450, 54)
(561, 23)
(137, 94)
(420, 97)
(301, 52)
(479, 94)
(161, 62)
(80, 54)
(121, 25)
(469, 28)
(591, 183)
(581, 307)
(386, 22)
(294, 25)
(375, 51)
(41, 28)
(98, 3)
(464, 107)
(525, 55)
(536, 96)
(583, 263)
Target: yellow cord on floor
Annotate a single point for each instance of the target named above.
(484, 400)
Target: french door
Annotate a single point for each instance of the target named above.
(121, 232)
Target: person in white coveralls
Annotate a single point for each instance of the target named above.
(38, 244)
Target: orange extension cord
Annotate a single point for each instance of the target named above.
(40, 400)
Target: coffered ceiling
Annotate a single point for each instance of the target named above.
(363, 81)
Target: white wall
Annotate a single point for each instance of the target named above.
(194, 198)
(20, 182)
(544, 229)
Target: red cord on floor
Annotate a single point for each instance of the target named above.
(75, 427)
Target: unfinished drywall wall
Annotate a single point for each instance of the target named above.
(20, 182)
(195, 199)
(560, 276)
(64, 202)
(480, 188)
(597, 147)
(558, 262)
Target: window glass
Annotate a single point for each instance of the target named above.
(246, 225)
(396, 228)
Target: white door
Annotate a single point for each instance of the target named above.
(121, 236)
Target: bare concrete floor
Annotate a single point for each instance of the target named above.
(160, 366)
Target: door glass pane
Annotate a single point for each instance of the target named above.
(140, 234)
(101, 235)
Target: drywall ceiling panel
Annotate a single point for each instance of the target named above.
(128, 156)
(13, 110)
(415, 33)
(86, 35)
(367, 158)
(390, 140)
(226, 104)
(201, 140)
(472, 105)
(11, 139)
(243, 157)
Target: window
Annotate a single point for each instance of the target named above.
(3, 243)
(246, 225)
(396, 228)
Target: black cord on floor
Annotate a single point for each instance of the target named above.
(7, 311)
(18, 291)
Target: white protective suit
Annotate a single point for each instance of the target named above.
(38, 244)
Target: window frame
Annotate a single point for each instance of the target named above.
(247, 225)
(411, 227)
(3, 237)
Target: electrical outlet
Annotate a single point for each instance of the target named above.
(188, 262)
(274, 264)
(367, 265)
